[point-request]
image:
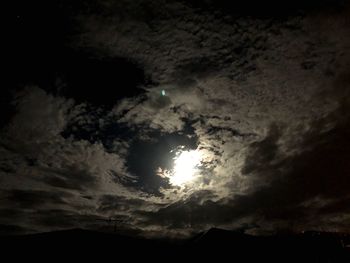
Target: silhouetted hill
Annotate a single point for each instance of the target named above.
(215, 244)
(220, 236)
(306, 247)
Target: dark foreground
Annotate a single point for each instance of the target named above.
(214, 245)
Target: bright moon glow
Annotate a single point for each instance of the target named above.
(185, 167)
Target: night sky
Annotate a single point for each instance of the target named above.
(173, 117)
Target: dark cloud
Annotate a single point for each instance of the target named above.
(113, 203)
(262, 153)
(269, 8)
(319, 172)
(12, 230)
(32, 198)
(69, 178)
(60, 218)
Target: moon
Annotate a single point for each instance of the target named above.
(185, 167)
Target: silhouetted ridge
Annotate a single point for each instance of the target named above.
(220, 235)
(215, 243)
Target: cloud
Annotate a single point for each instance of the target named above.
(262, 153)
(6, 230)
(308, 188)
(264, 100)
(40, 169)
(40, 116)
